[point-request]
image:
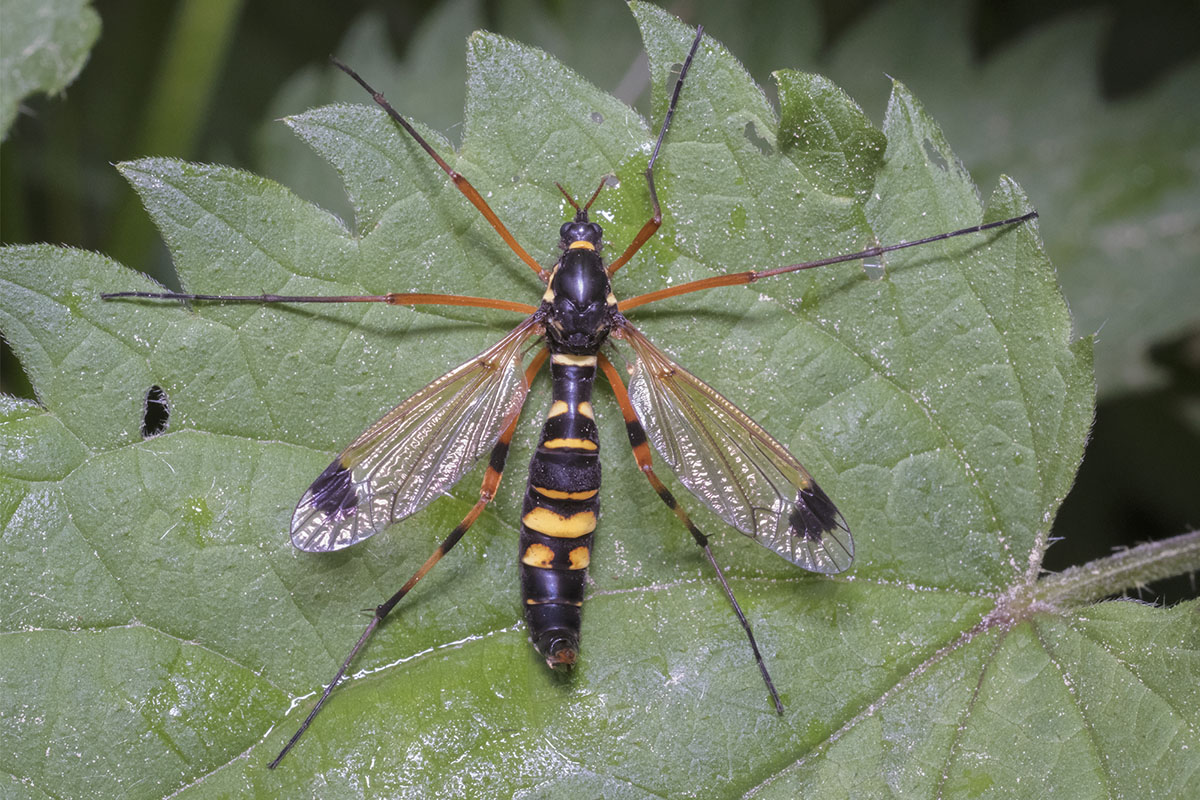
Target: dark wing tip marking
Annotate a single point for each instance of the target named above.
(814, 516)
(333, 492)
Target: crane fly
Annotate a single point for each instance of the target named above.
(420, 449)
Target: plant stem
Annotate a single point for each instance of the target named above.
(1127, 569)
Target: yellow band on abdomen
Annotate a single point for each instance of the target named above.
(543, 520)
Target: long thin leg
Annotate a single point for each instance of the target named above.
(641, 454)
(651, 226)
(394, 299)
(460, 182)
(750, 276)
(491, 480)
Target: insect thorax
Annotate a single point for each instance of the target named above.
(579, 306)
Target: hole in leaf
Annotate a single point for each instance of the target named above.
(156, 412)
(935, 157)
(672, 77)
(13, 378)
(751, 134)
(875, 268)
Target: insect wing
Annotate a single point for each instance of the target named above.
(417, 452)
(738, 469)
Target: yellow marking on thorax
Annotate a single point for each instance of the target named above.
(571, 360)
(585, 409)
(559, 494)
(538, 555)
(543, 520)
(611, 299)
(548, 297)
(580, 557)
(558, 407)
(581, 245)
(569, 444)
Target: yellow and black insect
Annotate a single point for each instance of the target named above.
(427, 443)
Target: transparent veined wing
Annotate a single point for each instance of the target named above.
(734, 466)
(417, 451)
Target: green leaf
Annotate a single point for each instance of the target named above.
(43, 46)
(161, 636)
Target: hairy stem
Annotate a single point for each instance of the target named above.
(1127, 569)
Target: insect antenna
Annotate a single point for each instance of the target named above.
(571, 199)
(579, 212)
(603, 182)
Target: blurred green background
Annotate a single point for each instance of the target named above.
(1091, 105)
